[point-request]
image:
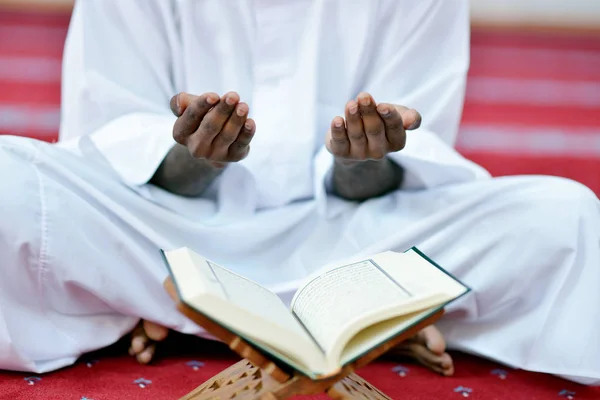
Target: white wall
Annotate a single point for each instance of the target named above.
(569, 13)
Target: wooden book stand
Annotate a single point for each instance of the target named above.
(258, 377)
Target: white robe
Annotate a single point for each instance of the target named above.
(80, 227)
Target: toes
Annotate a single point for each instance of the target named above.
(433, 339)
(146, 356)
(446, 361)
(155, 332)
(441, 370)
(138, 344)
(447, 365)
(143, 340)
(418, 351)
(139, 341)
(423, 354)
(442, 364)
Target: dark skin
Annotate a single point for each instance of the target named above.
(360, 146)
(212, 132)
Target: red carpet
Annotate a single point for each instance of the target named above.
(111, 375)
(532, 107)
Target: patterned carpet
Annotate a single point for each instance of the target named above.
(113, 375)
(532, 107)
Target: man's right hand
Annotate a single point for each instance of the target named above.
(212, 128)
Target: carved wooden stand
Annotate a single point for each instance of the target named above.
(257, 377)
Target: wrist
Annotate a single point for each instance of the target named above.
(217, 164)
(350, 164)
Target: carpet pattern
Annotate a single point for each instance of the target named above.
(112, 375)
(532, 107)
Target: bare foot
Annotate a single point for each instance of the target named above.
(429, 349)
(144, 338)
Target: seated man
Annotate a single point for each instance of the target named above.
(337, 168)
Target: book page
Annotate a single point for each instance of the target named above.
(255, 299)
(379, 333)
(340, 302)
(246, 309)
(333, 300)
(199, 276)
(418, 275)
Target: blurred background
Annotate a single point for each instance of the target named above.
(533, 95)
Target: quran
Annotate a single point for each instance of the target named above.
(336, 316)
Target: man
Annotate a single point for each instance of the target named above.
(324, 92)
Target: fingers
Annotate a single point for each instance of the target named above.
(339, 144)
(355, 131)
(196, 108)
(214, 129)
(373, 126)
(371, 130)
(211, 125)
(239, 149)
(174, 105)
(232, 127)
(395, 134)
(179, 102)
(412, 119)
(230, 132)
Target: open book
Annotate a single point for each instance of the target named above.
(335, 317)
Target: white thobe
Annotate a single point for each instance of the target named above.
(80, 228)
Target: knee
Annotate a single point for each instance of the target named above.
(20, 202)
(548, 205)
(560, 196)
(18, 176)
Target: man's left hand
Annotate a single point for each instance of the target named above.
(370, 130)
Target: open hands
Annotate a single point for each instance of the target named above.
(219, 130)
(213, 128)
(370, 131)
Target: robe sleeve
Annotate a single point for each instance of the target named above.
(118, 79)
(420, 59)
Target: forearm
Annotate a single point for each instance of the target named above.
(359, 181)
(180, 173)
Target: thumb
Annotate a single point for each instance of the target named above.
(410, 117)
(180, 102)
